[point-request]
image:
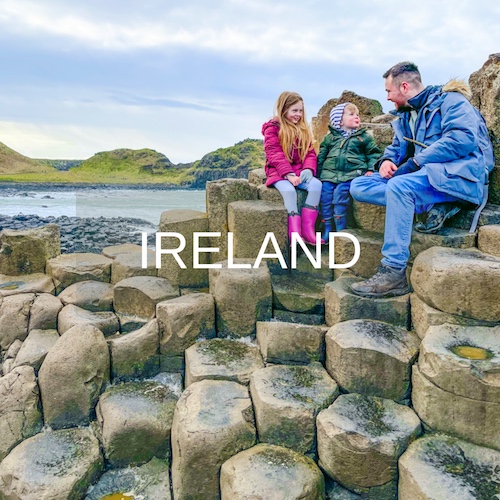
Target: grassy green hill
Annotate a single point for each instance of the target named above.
(13, 163)
(143, 166)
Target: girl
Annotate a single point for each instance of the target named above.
(291, 163)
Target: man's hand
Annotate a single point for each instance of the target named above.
(387, 169)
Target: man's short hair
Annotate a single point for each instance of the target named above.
(405, 71)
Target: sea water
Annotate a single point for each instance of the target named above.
(146, 204)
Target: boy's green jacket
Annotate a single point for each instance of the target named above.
(341, 159)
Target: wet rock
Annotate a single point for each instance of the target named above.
(71, 316)
(463, 282)
(242, 297)
(286, 401)
(14, 318)
(371, 358)
(444, 467)
(27, 251)
(185, 223)
(456, 385)
(260, 472)
(71, 268)
(51, 465)
(90, 295)
(29, 283)
(34, 349)
(150, 480)
(213, 421)
(136, 354)
(360, 439)
(20, 416)
(221, 359)
(81, 358)
(342, 305)
(44, 311)
(135, 420)
(291, 343)
(185, 320)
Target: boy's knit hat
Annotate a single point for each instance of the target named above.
(336, 114)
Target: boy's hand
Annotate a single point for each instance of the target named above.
(387, 169)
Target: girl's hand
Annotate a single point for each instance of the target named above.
(369, 172)
(294, 179)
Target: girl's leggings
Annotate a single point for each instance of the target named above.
(287, 190)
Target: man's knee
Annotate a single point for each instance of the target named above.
(358, 187)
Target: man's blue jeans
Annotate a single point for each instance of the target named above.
(403, 196)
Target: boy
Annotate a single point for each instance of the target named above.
(345, 153)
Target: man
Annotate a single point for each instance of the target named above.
(439, 156)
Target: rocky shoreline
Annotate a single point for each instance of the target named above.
(84, 234)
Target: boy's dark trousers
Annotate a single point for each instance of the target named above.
(334, 203)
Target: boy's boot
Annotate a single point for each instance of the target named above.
(294, 225)
(327, 229)
(340, 222)
(309, 216)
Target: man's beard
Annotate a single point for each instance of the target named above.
(404, 107)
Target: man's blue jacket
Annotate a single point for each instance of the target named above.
(451, 141)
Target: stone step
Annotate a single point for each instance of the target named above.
(342, 305)
(296, 293)
(440, 466)
(135, 420)
(488, 239)
(459, 370)
(263, 470)
(286, 400)
(459, 281)
(33, 468)
(150, 480)
(213, 421)
(222, 359)
(360, 439)
(489, 215)
(371, 358)
(291, 343)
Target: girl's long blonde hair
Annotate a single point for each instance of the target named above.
(292, 135)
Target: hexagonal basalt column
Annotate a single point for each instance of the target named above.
(342, 305)
(250, 221)
(291, 343)
(222, 359)
(286, 401)
(242, 297)
(444, 467)
(360, 439)
(127, 265)
(72, 267)
(186, 223)
(213, 421)
(135, 420)
(371, 358)
(456, 384)
(463, 282)
(260, 472)
(135, 299)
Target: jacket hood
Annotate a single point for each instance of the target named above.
(460, 86)
(273, 122)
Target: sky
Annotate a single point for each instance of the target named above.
(185, 77)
